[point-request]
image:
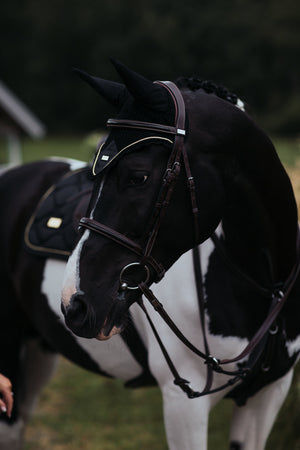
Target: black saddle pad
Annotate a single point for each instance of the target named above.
(52, 229)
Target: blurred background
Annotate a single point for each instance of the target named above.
(250, 46)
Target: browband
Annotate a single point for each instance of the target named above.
(110, 151)
(123, 123)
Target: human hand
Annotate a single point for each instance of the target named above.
(6, 402)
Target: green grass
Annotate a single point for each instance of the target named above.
(81, 411)
(288, 150)
(81, 147)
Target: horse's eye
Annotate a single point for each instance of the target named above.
(138, 179)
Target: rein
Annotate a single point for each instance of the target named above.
(178, 157)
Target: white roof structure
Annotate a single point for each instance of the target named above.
(16, 113)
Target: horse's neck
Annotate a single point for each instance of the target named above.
(260, 220)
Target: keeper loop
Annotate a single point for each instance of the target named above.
(185, 386)
(176, 168)
(213, 362)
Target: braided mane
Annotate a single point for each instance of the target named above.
(209, 87)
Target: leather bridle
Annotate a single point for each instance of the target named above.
(177, 158)
(169, 180)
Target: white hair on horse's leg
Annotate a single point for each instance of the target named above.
(38, 365)
(11, 435)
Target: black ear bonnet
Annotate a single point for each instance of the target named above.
(138, 99)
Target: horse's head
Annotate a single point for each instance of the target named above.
(138, 225)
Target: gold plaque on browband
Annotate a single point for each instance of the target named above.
(54, 222)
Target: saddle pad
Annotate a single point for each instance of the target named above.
(52, 229)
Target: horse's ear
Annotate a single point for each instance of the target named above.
(114, 93)
(151, 95)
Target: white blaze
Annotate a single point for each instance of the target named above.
(71, 279)
(71, 282)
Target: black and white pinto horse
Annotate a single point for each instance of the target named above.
(143, 220)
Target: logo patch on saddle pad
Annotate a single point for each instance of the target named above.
(52, 229)
(54, 222)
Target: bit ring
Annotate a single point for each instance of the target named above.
(124, 285)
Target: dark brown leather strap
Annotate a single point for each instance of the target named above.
(112, 234)
(173, 166)
(123, 240)
(178, 380)
(136, 124)
(201, 303)
(178, 103)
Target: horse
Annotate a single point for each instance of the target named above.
(105, 277)
(181, 166)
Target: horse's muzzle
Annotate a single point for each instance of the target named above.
(82, 319)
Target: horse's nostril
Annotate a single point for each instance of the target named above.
(77, 307)
(77, 313)
(80, 317)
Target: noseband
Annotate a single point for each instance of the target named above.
(178, 156)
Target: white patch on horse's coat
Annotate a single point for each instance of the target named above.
(74, 164)
(252, 423)
(11, 435)
(71, 281)
(38, 366)
(231, 346)
(293, 347)
(206, 249)
(112, 356)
